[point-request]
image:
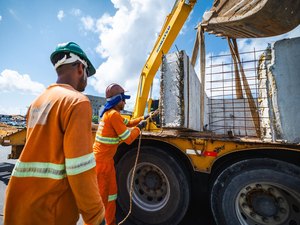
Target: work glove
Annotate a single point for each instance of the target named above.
(142, 124)
(152, 114)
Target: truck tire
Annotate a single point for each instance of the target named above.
(257, 192)
(161, 192)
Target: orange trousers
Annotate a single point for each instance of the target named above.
(107, 183)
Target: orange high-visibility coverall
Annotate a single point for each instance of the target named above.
(112, 130)
(55, 179)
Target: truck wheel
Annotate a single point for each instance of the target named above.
(161, 192)
(257, 192)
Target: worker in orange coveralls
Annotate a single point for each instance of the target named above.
(55, 178)
(112, 130)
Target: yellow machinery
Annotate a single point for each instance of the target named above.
(168, 34)
(17, 141)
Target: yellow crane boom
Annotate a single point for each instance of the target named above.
(167, 36)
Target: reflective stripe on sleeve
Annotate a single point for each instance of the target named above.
(112, 197)
(80, 164)
(107, 140)
(126, 121)
(39, 169)
(125, 135)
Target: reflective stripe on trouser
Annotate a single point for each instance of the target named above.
(106, 176)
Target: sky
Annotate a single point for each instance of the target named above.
(117, 36)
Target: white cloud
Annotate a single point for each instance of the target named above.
(13, 13)
(88, 23)
(75, 12)
(0, 18)
(60, 15)
(11, 110)
(12, 81)
(23, 22)
(262, 43)
(126, 39)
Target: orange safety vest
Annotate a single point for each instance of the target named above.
(113, 129)
(54, 179)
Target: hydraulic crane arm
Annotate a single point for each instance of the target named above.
(167, 36)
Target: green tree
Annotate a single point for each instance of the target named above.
(95, 119)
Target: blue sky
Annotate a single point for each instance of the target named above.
(117, 36)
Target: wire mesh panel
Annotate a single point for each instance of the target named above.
(234, 94)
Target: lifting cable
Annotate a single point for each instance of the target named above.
(132, 179)
(133, 173)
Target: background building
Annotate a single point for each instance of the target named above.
(99, 102)
(96, 103)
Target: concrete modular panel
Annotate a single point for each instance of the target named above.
(284, 83)
(180, 93)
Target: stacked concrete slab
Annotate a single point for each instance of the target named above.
(180, 93)
(282, 88)
(232, 117)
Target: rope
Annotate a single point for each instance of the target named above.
(132, 179)
(133, 172)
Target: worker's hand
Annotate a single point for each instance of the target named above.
(142, 124)
(152, 114)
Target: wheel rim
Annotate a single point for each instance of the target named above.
(267, 203)
(151, 188)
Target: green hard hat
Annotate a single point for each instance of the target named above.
(74, 48)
